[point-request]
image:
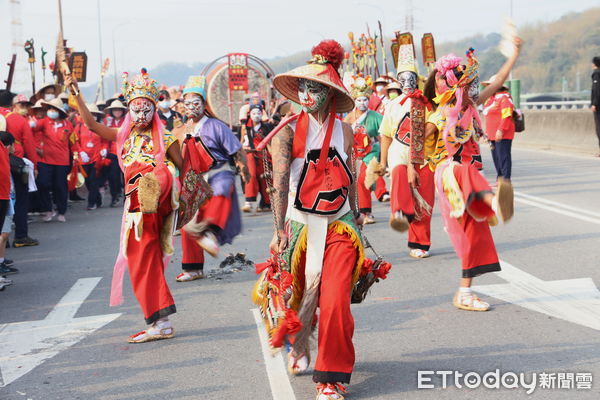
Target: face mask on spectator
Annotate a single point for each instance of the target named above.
(49, 96)
(52, 114)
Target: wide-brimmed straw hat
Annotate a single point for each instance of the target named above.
(57, 104)
(94, 109)
(392, 85)
(116, 104)
(38, 105)
(322, 68)
(56, 88)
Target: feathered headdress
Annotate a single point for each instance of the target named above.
(140, 86)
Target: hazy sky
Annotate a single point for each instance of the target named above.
(151, 32)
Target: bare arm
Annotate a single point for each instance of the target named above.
(282, 163)
(386, 142)
(88, 119)
(174, 154)
(349, 146)
(502, 74)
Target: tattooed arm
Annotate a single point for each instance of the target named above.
(282, 164)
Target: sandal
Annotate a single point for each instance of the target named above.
(330, 391)
(297, 364)
(152, 334)
(188, 276)
(469, 302)
(418, 253)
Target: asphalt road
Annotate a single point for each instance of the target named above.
(407, 324)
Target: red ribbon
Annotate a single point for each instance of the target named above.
(419, 96)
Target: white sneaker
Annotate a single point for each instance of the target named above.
(208, 241)
(247, 207)
(385, 198)
(418, 253)
(61, 218)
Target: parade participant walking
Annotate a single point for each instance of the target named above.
(365, 124)
(55, 134)
(6, 209)
(91, 148)
(468, 204)
(25, 146)
(500, 128)
(148, 157)
(115, 115)
(252, 134)
(316, 231)
(218, 221)
(412, 200)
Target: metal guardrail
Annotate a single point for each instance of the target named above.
(556, 105)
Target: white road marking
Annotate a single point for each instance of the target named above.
(281, 388)
(573, 300)
(557, 204)
(570, 211)
(25, 345)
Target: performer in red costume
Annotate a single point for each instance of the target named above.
(468, 204)
(411, 205)
(316, 230)
(148, 156)
(217, 221)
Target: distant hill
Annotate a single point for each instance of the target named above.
(552, 51)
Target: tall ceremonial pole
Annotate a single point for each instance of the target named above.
(60, 19)
(385, 68)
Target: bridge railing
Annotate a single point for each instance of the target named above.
(556, 105)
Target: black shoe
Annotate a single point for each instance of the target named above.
(8, 262)
(114, 203)
(26, 241)
(6, 270)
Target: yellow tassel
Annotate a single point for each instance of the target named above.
(299, 250)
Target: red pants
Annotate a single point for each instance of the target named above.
(214, 212)
(145, 257)
(364, 194)
(335, 354)
(419, 231)
(481, 256)
(256, 184)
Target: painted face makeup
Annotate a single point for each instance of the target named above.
(141, 111)
(256, 115)
(193, 105)
(408, 81)
(312, 95)
(362, 103)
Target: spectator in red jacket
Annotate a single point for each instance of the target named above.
(24, 147)
(92, 150)
(500, 128)
(115, 115)
(55, 133)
